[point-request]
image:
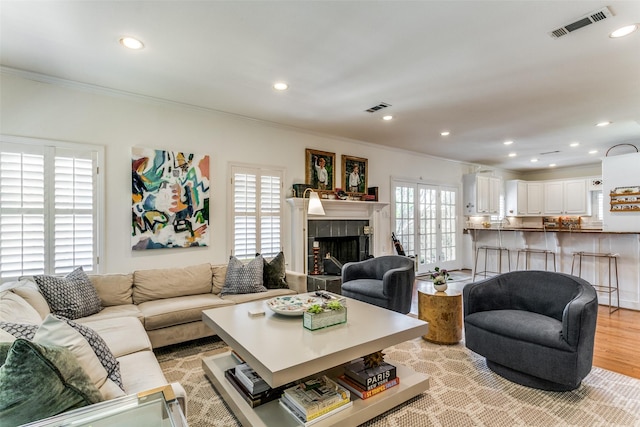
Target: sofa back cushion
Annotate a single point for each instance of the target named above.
(149, 285)
(114, 289)
(14, 309)
(219, 273)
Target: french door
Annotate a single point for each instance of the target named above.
(425, 223)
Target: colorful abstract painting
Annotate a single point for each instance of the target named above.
(170, 199)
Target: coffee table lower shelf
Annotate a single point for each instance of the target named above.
(271, 414)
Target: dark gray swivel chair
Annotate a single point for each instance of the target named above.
(535, 328)
(386, 281)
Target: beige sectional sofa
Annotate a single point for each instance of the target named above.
(143, 310)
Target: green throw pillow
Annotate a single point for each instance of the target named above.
(274, 273)
(38, 381)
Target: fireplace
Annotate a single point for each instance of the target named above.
(344, 240)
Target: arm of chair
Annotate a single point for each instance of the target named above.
(297, 281)
(397, 285)
(579, 317)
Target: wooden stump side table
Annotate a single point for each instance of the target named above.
(443, 311)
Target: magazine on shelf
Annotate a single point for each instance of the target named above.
(370, 378)
(357, 389)
(316, 396)
(250, 379)
(294, 412)
(253, 399)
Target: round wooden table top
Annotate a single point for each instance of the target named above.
(443, 311)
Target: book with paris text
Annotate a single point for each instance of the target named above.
(369, 378)
(357, 389)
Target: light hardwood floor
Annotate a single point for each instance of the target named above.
(617, 343)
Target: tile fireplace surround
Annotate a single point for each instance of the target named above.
(354, 213)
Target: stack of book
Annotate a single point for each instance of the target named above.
(314, 400)
(254, 396)
(250, 379)
(366, 382)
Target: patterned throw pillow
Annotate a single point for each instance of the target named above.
(19, 330)
(243, 279)
(72, 296)
(274, 273)
(102, 351)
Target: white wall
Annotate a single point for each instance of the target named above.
(69, 112)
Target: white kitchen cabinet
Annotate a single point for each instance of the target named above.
(524, 198)
(481, 194)
(569, 197)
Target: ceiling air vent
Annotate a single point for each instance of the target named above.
(377, 107)
(588, 19)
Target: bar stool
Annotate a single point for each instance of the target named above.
(527, 257)
(487, 250)
(612, 259)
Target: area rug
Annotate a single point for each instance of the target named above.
(462, 392)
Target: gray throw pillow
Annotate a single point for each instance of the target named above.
(275, 273)
(243, 279)
(72, 296)
(41, 381)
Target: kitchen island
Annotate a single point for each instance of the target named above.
(565, 242)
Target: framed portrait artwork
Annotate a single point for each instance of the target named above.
(320, 169)
(354, 174)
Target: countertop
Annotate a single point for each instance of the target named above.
(551, 230)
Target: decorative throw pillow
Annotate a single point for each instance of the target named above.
(243, 279)
(72, 296)
(89, 348)
(20, 330)
(274, 273)
(38, 381)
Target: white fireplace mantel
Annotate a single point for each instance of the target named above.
(334, 209)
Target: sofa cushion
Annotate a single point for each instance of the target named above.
(270, 293)
(113, 289)
(28, 290)
(219, 273)
(72, 296)
(19, 330)
(274, 273)
(124, 335)
(89, 348)
(40, 381)
(14, 308)
(243, 279)
(145, 362)
(114, 312)
(174, 311)
(149, 285)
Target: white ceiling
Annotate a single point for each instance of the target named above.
(486, 70)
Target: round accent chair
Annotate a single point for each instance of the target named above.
(535, 328)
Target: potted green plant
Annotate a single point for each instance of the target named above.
(322, 315)
(439, 278)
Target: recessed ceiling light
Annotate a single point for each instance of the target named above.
(574, 144)
(624, 31)
(602, 124)
(280, 86)
(131, 43)
(534, 160)
(387, 118)
(593, 151)
(512, 154)
(508, 142)
(552, 165)
(445, 133)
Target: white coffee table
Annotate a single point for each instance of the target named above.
(282, 351)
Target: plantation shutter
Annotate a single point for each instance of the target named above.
(257, 211)
(47, 210)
